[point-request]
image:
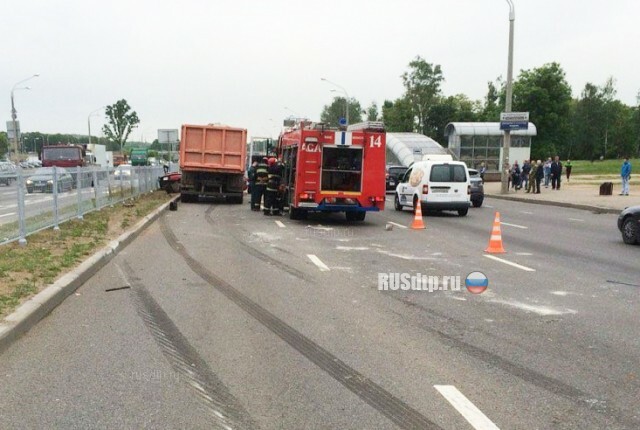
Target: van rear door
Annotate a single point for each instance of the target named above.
(448, 183)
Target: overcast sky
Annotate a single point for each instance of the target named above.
(242, 62)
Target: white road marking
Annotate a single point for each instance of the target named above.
(576, 219)
(9, 214)
(280, 224)
(487, 206)
(404, 256)
(320, 227)
(516, 265)
(528, 254)
(397, 225)
(527, 213)
(352, 248)
(540, 310)
(514, 225)
(468, 410)
(560, 293)
(315, 260)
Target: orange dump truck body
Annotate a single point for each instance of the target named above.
(212, 160)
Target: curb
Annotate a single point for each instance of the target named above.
(39, 306)
(596, 209)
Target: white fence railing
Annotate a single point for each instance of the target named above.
(34, 199)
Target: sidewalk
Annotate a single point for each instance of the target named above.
(580, 196)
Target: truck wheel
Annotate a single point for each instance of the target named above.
(355, 216)
(397, 204)
(477, 203)
(235, 200)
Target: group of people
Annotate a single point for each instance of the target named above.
(532, 173)
(265, 183)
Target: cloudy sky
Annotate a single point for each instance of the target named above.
(242, 62)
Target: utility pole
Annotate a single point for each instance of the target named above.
(507, 133)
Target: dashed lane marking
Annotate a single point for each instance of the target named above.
(537, 309)
(514, 225)
(576, 219)
(510, 263)
(315, 260)
(396, 224)
(280, 224)
(468, 410)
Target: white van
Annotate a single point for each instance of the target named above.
(437, 184)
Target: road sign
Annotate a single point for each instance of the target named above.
(514, 120)
(166, 136)
(10, 131)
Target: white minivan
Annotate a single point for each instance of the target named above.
(437, 184)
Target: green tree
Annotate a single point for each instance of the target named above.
(422, 84)
(546, 95)
(458, 108)
(121, 120)
(332, 113)
(398, 116)
(494, 101)
(4, 144)
(372, 112)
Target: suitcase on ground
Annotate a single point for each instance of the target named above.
(606, 188)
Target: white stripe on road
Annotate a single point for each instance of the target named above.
(514, 225)
(527, 213)
(9, 214)
(524, 253)
(468, 410)
(540, 310)
(315, 260)
(525, 268)
(396, 224)
(280, 224)
(487, 206)
(576, 219)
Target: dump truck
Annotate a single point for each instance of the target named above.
(139, 157)
(212, 161)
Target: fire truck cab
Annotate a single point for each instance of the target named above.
(329, 170)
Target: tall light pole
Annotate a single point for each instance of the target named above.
(89, 120)
(345, 93)
(14, 113)
(507, 133)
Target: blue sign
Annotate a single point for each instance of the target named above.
(342, 121)
(514, 125)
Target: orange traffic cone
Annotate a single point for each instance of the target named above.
(417, 219)
(495, 242)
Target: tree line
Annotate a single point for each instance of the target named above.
(592, 126)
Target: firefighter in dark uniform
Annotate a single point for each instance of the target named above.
(258, 188)
(271, 201)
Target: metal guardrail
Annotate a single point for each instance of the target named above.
(30, 202)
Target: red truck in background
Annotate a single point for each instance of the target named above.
(62, 156)
(328, 170)
(212, 161)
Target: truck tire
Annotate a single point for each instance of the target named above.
(477, 202)
(297, 214)
(235, 200)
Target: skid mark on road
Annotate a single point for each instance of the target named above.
(377, 397)
(225, 410)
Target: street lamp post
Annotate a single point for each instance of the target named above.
(507, 133)
(89, 120)
(345, 93)
(14, 113)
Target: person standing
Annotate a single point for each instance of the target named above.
(539, 176)
(556, 173)
(533, 171)
(271, 203)
(251, 176)
(526, 170)
(482, 171)
(547, 172)
(515, 176)
(567, 168)
(258, 189)
(625, 174)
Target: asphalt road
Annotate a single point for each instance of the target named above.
(224, 318)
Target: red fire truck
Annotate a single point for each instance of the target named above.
(329, 170)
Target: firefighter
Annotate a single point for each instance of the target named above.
(271, 201)
(258, 188)
(251, 176)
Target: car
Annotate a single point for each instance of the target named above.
(477, 188)
(7, 172)
(123, 172)
(42, 180)
(393, 175)
(629, 225)
(170, 182)
(436, 185)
